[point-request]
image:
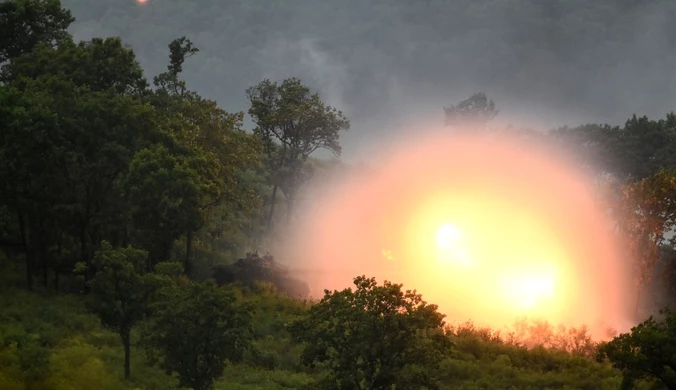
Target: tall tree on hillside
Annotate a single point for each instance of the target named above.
(477, 110)
(122, 290)
(197, 330)
(214, 139)
(169, 82)
(293, 123)
(26, 23)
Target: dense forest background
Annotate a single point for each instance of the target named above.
(134, 193)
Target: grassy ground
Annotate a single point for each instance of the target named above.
(49, 341)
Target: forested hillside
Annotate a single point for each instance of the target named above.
(133, 208)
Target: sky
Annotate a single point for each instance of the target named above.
(391, 65)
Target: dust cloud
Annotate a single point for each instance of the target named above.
(490, 228)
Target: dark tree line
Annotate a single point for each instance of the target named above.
(92, 151)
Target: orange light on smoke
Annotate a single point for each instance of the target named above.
(490, 230)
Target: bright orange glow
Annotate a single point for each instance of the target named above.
(447, 236)
(490, 230)
(142, 1)
(387, 254)
(451, 245)
(526, 289)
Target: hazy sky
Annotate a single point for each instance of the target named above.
(392, 64)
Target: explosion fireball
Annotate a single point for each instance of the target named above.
(491, 230)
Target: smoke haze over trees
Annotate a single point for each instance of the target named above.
(384, 62)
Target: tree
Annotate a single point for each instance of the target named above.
(78, 107)
(100, 65)
(375, 337)
(648, 351)
(215, 137)
(474, 111)
(197, 330)
(292, 123)
(646, 211)
(27, 135)
(26, 23)
(168, 82)
(592, 145)
(162, 190)
(122, 291)
(645, 146)
(636, 150)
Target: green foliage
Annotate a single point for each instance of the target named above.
(163, 191)
(24, 24)
(218, 149)
(122, 291)
(67, 347)
(87, 109)
(102, 65)
(197, 331)
(636, 150)
(84, 355)
(647, 352)
(375, 337)
(646, 213)
(292, 123)
(88, 125)
(254, 378)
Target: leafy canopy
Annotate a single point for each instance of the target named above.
(292, 123)
(197, 330)
(26, 23)
(122, 291)
(648, 351)
(373, 337)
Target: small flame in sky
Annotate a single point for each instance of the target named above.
(387, 254)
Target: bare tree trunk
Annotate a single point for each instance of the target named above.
(188, 252)
(84, 257)
(26, 250)
(45, 276)
(57, 262)
(44, 254)
(272, 206)
(126, 342)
